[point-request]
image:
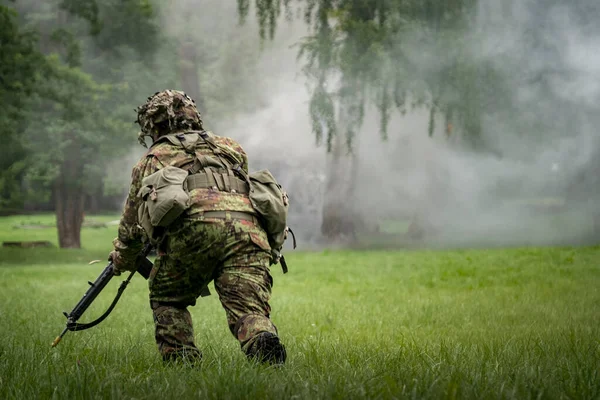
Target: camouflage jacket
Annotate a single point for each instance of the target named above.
(131, 236)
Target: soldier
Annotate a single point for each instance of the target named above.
(217, 239)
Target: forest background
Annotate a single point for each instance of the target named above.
(389, 122)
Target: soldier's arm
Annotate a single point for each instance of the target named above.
(131, 235)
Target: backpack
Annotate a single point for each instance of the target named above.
(267, 197)
(165, 196)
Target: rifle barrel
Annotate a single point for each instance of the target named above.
(59, 338)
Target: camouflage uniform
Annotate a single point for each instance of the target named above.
(232, 252)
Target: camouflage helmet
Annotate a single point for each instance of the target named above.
(167, 111)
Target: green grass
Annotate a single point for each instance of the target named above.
(497, 324)
(96, 241)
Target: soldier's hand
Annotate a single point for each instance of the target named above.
(115, 258)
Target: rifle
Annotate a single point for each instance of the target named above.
(144, 266)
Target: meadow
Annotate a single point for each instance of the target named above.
(520, 323)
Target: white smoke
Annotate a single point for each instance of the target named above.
(516, 194)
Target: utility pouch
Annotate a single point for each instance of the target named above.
(164, 198)
(271, 203)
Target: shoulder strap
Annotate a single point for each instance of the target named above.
(166, 138)
(186, 140)
(226, 157)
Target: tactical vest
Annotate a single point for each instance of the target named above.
(165, 193)
(206, 170)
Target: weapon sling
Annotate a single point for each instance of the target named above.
(76, 326)
(144, 268)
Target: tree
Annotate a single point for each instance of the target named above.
(213, 59)
(19, 59)
(67, 122)
(364, 52)
(79, 115)
(382, 53)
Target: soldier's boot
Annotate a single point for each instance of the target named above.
(266, 348)
(174, 333)
(258, 338)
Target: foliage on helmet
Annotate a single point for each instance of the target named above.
(165, 112)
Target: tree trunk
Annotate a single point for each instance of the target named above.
(69, 200)
(188, 70)
(339, 215)
(93, 204)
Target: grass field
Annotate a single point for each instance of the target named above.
(486, 324)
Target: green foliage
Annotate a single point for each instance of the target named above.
(18, 59)
(78, 98)
(86, 9)
(128, 21)
(385, 53)
(97, 234)
(133, 24)
(267, 13)
(322, 113)
(97, 61)
(227, 59)
(77, 116)
(72, 49)
(19, 62)
(67, 121)
(494, 324)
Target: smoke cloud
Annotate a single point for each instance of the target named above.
(533, 185)
(532, 188)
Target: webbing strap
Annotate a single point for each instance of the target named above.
(283, 263)
(202, 180)
(209, 178)
(226, 158)
(219, 180)
(226, 183)
(229, 215)
(199, 163)
(77, 326)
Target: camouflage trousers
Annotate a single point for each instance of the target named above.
(233, 253)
